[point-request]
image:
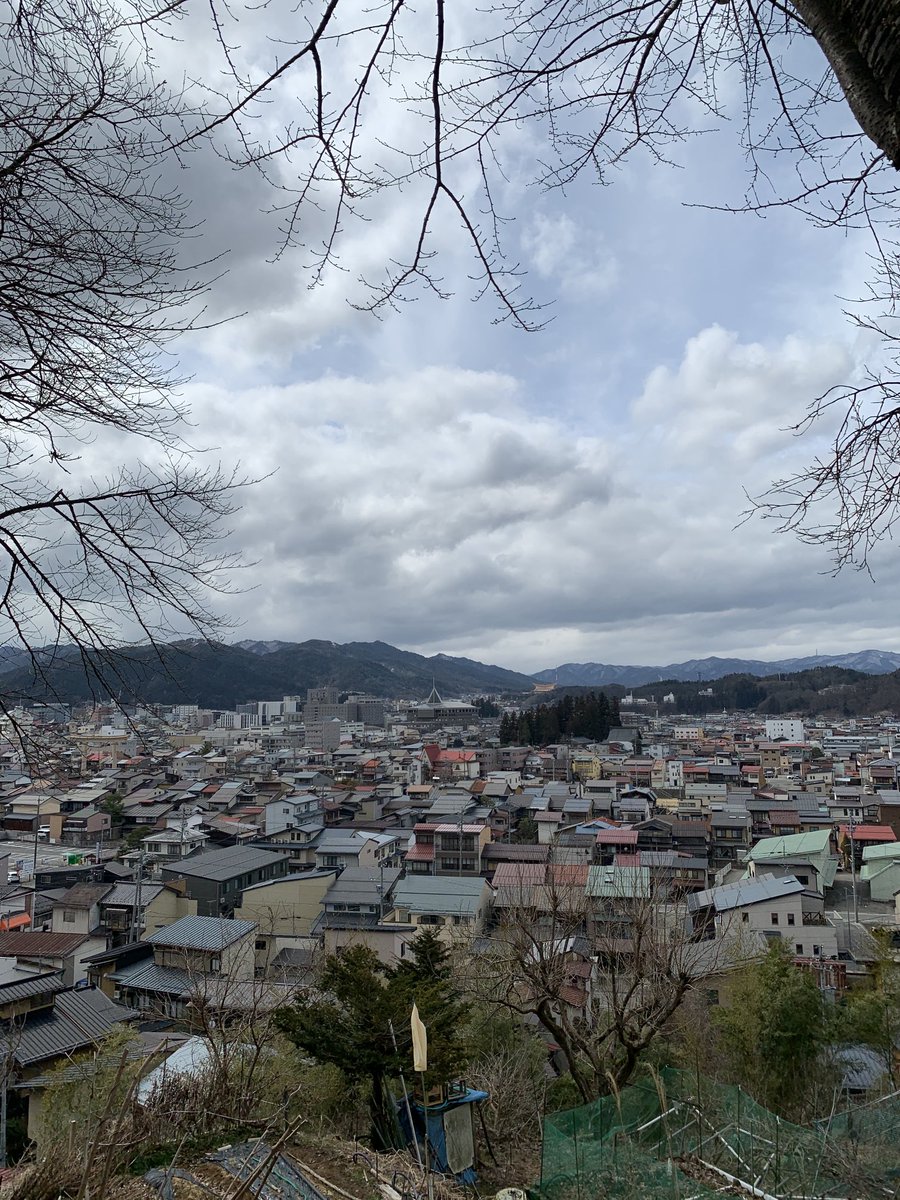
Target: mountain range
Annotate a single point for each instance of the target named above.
(221, 676)
(593, 674)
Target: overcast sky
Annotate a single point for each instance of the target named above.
(446, 484)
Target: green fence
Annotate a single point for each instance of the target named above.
(641, 1143)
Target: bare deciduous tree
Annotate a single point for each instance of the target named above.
(818, 115)
(93, 288)
(603, 974)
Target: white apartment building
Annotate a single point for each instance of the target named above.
(789, 730)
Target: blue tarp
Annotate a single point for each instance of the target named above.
(437, 1140)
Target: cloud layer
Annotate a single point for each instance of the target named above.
(444, 484)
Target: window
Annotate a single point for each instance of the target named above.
(69, 916)
(799, 947)
(817, 951)
(774, 917)
(260, 943)
(745, 917)
(791, 919)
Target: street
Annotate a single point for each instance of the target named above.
(839, 902)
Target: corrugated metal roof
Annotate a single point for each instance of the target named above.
(33, 985)
(202, 933)
(148, 977)
(794, 843)
(619, 883)
(125, 894)
(420, 853)
(361, 885)
(224, 863)
(746, 891)
(449, 894)
(30, 945)
(78, 1019)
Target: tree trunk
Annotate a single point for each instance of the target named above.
(386, 1133)
(861, 40)
(544, 1013)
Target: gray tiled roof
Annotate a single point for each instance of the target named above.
(201, 933)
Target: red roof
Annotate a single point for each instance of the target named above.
(572, 873)
(627, 860)
(617, 837)
(574, 997)
(420, 853)
(870, 833)
(456, 756)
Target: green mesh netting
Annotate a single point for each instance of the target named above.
(632, 1145)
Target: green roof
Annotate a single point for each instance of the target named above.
(814, 846)
(619, 883)
(882, 850)
(793, 844)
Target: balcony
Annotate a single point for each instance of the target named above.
(814, 918)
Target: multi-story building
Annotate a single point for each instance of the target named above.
(447, 849)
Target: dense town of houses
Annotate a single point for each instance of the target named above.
(198, 851)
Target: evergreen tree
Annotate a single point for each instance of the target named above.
(349, 1022)
(425, 979)
(604, 717)
(526, 830)
(773, 1030)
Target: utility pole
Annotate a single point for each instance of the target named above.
(4, 1087)
(136, 929)
(853, 870)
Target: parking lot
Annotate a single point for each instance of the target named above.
(22, 852)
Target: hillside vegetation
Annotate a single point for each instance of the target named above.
(219, 676)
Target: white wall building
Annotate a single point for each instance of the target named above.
(791, 731)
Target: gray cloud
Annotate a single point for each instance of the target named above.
(446, 484)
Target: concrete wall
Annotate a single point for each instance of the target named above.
(286, 906)
(386, 940)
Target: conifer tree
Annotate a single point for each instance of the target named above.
(364, 1006)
